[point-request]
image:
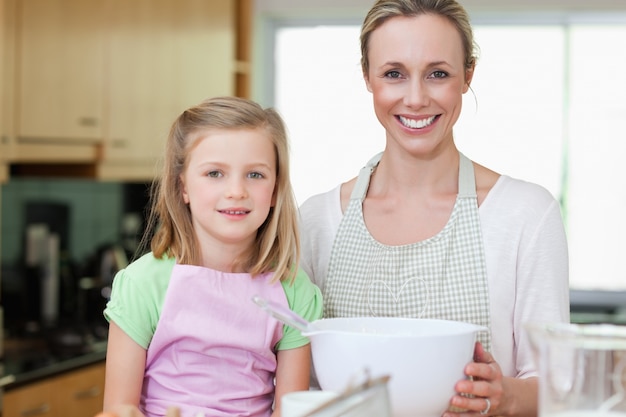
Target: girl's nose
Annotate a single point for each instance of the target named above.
(236, 189)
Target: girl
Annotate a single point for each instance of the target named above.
(183, 329)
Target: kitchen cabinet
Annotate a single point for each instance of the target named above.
(60, 70)
(244, 11)
(95, 85)
(6, 77)
(163, 57)
(77, 393)
(54, 76)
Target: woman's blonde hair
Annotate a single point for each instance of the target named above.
(384, 10)
(277, 245)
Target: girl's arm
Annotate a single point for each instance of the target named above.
(292, 373)
(125, 367)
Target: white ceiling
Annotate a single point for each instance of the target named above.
(359, 7)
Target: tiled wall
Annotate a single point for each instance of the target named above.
(95, 213)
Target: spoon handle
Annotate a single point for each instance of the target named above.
(283, 314)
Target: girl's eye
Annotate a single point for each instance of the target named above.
(439, 74)
(214, 174)
(256, 175)
(393, 74)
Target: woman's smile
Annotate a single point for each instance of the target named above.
(417, 123)
(417, 87)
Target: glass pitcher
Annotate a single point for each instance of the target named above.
(582, 369)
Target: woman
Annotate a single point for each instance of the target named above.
(425, 232)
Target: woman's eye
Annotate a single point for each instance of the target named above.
(214, 174)
(439, 74)
(256, 175)
(393, 74)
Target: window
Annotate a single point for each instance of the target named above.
(546, 105)
(322, 96)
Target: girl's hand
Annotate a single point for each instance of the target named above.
(122, 411)
(132, 411)
(483, 394)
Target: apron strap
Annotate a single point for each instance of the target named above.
(363, 180)
(467, 182)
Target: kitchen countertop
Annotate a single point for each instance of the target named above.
(28, 360)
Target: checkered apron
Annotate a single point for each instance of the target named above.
(443, 277)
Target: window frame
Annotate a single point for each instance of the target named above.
(586, 298)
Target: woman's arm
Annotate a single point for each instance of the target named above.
(125, 367)
(292, 373)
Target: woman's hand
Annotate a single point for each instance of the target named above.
(489, 393)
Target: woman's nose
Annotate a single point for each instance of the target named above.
(416, 94)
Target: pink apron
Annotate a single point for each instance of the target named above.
(213, 348)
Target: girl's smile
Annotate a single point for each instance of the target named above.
(235, 213)
(229, 185)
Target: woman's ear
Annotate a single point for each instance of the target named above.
(469, 74)
(367, 82)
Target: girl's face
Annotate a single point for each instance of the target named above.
(417, 79)
(229, 185)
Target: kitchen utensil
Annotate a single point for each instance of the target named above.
(582, 369)
(368, 399)
(301, 403)
(284, 314)
(423, 357)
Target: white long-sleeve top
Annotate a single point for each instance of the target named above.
(526, 255)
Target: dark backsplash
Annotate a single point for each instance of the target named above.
(95, 217)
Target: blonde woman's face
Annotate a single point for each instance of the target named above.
(229, 186)
(417, 78)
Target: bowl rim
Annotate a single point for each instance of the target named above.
(456, 327)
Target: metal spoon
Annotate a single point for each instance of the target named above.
(285, 315)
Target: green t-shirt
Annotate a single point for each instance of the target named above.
(139, 292)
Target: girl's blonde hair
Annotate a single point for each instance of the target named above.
(384, 10)
(277, 246)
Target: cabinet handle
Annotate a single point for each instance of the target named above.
(88, 393)
(88, 121)
(119, 143)
(42, 409)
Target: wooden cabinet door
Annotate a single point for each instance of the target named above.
(7, 42)
(80, 393)
(164, 56)
(60, 70)
(34, 400)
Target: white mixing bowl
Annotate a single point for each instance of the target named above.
(423, 357)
